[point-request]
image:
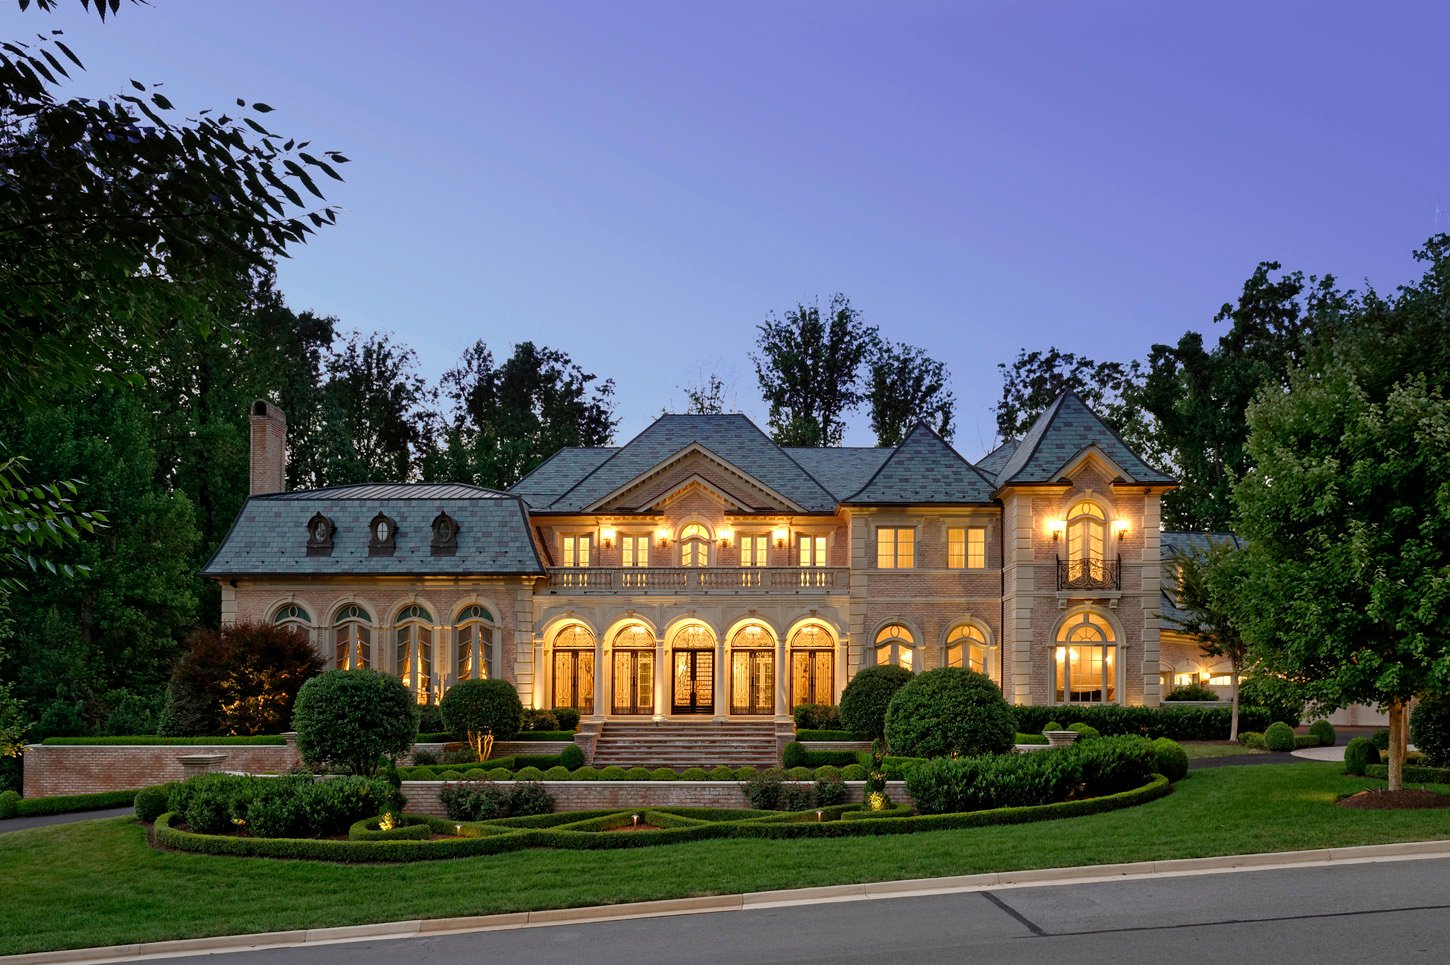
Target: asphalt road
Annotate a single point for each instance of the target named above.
(1391, 911)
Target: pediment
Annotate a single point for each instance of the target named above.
(694, 468)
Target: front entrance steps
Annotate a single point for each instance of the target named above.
(681, 744)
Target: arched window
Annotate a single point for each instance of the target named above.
(694, 545)
(894, 645)
(293, 617)
(413, 639)
(967, 647)
(1085, 659)
(352, 639)
(574, 668)
(473, 644)
(812, 666)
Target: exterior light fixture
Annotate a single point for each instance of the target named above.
(1056, 528)
(780, 535)
(606, 536)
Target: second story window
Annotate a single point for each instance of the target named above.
(694, 545)
(634, 551)
(577, 550)
(812, 550)
(895, 548)
(754, 550)
(966, 548)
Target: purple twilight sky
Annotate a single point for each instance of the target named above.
(639, 183)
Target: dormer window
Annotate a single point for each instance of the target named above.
(445, 535)
(320, 531)
(383, 534)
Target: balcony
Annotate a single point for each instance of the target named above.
(1089, 574)
(692, 580)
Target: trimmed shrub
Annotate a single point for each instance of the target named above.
(353, 718)
(477, 708)
(951, 711)
(694, 774)
(867, 696)
(613, 773)
(664, 774)
(529, 774)
(1323, 733)
(1084, 732)
(1191, 692)
(9, 803)
(1360, 753)
(568, 718)
(1172, 759)
(817, 717)
(1430, 730)
(853, 772)
(794, 754)
(722, 773)
(559, 773)
(637, 774)
(572, 757)
(151, 802)
(1279, 737)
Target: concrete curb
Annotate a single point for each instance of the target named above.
(868, 891)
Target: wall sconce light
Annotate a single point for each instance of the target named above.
(663, 535)
(606, 536)
(1056, 528)
(1120, 526)
(725, 536)
(780, 535)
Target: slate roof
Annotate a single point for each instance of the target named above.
(733, 438)
(1060, 434)
(557, 474)
(269, 536)
(924, 469)
(1170, 544)
(992, 462)
(841, 469)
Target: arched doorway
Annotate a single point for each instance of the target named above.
(812, 666)
(634, 670)
(574, 668)
(752, 671)
(692, 656)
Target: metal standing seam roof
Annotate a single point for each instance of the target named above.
(559, 473)
(1171, 544)
(924, 469)
(732, 438)
(1060, 434)
(269, 536)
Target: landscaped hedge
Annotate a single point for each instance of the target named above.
(150, 741)
(1175, 723)
(1413, 773)
(35, 807)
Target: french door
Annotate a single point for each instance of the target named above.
(812, 677)
(634, 682)
(752, 682)
(574, 680)
(694, 682)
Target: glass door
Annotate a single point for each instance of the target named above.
(634, 682)
(752, 682)
(694, 681)
(574, 680)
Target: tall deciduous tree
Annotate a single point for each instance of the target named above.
(1208, 591)
(809, 367)
(906, 386)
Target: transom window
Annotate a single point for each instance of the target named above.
(694, 545)
(1085, 660)
(966, 548)
(634, 551)
(754, 550)
(577, 550)
(413, 641)
(812, 550)
(967, 647)
(352, 639)
(894, 644)
(474, 644)
(895, 548)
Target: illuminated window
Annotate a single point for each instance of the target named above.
(966, 548)
(473, 644)
(413, 642)
(967, 647)
(1086, 671)
(895, 548)
(634, 551)
(694, 545)
(577, 550)
(894, 645)
(812, 550)
(352, 639)
(755, 551)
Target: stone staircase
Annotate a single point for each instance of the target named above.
(680, 745)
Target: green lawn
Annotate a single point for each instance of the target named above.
(1197, 749)
(97, 882)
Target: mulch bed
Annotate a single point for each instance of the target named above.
(1382, 800)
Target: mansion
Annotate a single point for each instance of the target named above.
(702, 572)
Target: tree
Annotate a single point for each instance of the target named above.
(809, 369)
(242, 679)
(505, 420)
(1033, 380)
(1209, 583)
(376, 407)
(1347, 516)
(906, 386)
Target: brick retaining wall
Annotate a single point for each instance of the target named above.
(86, 769)
(591, 795)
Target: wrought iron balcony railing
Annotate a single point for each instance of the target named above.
(687, 580)
(1089, 574)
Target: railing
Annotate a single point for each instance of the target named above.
(1089, 574)
(699, 579)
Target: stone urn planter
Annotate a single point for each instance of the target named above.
(1059, 738)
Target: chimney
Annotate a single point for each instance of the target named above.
(269, 449)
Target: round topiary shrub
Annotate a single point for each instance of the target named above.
(479, 708)
(1359, 754)
(529, 774)
(1323, 732)
(1279, 737)
(664, 774)
(866, 698)
(722, 773)
(637, 774)
(1085, 732)
(1430, 730)
(352, 718)
(151, 801)
(853, 772)
(1172, 759)
(693, 774)
(950, 712)
(572, 757)
(613, 773)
